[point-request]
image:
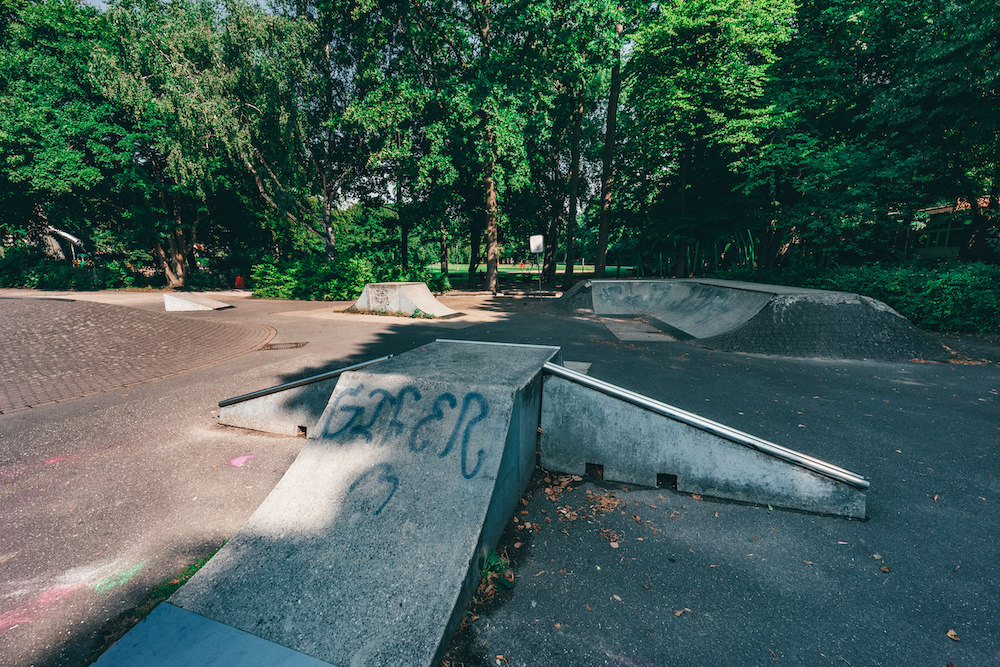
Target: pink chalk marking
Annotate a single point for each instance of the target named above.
(26, 613)
(240, 460)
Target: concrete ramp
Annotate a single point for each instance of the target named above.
(406, 298)
(367, 551)
(637, 439)
(683, 308)
(291, 409)
(191, 302)
(763, 319)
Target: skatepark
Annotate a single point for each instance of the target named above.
(753, 583)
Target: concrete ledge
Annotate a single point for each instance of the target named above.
(292, 412)
(191, 302)
(635, 444)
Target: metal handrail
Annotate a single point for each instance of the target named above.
(721, 430)
(299, 383)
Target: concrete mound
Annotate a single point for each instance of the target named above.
(763, 319)
(406, 298)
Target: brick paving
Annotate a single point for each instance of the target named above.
(54, 350)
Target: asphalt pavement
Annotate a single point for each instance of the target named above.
(106, 495)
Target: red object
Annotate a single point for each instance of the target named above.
(239, 282)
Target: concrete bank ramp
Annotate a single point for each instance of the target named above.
(763, 319)
(367, 550)
(637, 440)
(191, 302)
(406, 298)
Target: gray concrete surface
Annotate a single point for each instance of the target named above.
(191, 303)
(762, 319)
(94, 487)
(406, 298)
(292, 412)
(171, 635)
(349, 559)
(637, 441)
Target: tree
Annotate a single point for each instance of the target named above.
(696, 83)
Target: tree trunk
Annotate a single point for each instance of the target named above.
(604, 220)
(491, 223)
(574, 188)
(443, 253)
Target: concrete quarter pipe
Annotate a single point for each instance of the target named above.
(763, 319)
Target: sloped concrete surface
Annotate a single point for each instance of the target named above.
(191, 302)
(407, 298)
(175, 637)
(367, 550)
(763, 319)
(581, 425)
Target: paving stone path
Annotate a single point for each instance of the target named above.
(56, 350)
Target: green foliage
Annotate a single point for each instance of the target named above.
(951, 297)
(439, 283)
(28, 267)
(493, 570)
(312, 278)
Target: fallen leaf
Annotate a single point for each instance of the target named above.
(679, 612)
(588, 607)
(808, 562)
(953, 635)
(936, 496)
(637, 518)
(517, 545)
(654, 507)
(524, 502)
(617, 597)
(884, 568)
(716, 515)
(614, 545)
(639, 539)
(877, 556)
(696, 496)
(557, 626)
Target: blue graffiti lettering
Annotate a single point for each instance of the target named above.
(484, 411)
(385, 475)
(395, 427)
(354, 391)
(436, 415)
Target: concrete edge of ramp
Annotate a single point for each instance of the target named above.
(636, 438)
(408, 298)
(173, 636)
(367, 551)
(191, 302)
(292, 408)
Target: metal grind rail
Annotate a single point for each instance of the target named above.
(300, 383)
(691, 419)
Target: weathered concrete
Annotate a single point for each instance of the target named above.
(176, 637)
(366, 552)
(636, 442)
(293, 411)
(407, 298)
(763, 319)
(683, 308)
(191, 302)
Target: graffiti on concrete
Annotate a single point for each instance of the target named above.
(446, 422)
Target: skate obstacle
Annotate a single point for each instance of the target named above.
(404, 298)
(367, 551)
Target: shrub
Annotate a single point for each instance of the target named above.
(959, 297)
(312, 278)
